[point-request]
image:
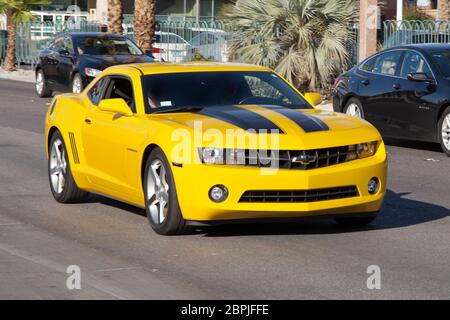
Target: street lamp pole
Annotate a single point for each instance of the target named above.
(399, 10)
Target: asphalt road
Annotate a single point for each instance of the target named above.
(120, 257)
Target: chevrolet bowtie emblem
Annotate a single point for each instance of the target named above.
(304, 159)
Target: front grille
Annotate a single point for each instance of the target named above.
(299, 195)
(292, 159)
(311, 159)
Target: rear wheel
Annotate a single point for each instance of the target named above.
(77, 83)
(354, 108)
(444, 131)
(62, 184)
(42, 89)
(161, 202)
(355, 221)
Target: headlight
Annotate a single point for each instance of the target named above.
(92, 72)
(362, 150)
(212, 155)
(223, 156)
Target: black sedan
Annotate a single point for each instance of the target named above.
(72, 60)
(403, 91)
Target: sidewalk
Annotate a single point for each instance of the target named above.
(19, 75)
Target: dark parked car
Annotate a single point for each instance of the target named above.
(403, 91)
(72, 60)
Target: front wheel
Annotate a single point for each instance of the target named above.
(42, 88)
(161, 201)
(77, 83)
(62, 184)
(354, 108)
(444, 131)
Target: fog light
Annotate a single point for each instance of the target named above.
(218, 193)
(373, 185)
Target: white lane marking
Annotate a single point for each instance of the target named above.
(117, 269)
(9, 224)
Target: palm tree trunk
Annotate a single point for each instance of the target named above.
(144, 23)
(10, 58)
(115, 16)
(443, 10)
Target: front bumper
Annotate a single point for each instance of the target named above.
(193, 183)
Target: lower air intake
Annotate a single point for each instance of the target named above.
(312, 195)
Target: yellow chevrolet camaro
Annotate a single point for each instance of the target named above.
(198, 144)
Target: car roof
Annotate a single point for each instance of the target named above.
(164, 67)
(93, 34)
(424, 46)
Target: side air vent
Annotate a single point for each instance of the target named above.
(73, 145)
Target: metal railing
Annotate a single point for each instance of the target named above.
(397, 33)
(175, 41)
(32, 37)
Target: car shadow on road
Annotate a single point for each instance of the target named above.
(397, 212)
(426, 146)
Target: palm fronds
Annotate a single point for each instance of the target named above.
(304, 40)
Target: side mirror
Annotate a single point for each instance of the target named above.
(419, 77)
(116, 105)
(149, 53)
(64, 52)
(312, 97)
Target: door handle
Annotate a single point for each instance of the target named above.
(88, 121)
(365, 82)
(396, 86)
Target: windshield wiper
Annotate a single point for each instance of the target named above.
(177, 109)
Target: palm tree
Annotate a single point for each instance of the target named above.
(443, 10)
(16, 11)
(304, 40)
(144, 23)
(115, 16)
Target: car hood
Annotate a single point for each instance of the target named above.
(295, 128)
(104, 61)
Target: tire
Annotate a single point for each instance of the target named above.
(354, 108)
(65, 190)
(161, 201)
(77, 83)
(444, 131)
(41, 86)
(355, 221)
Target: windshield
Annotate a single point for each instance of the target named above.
(107, 46)
(442, 60)
(207, 89)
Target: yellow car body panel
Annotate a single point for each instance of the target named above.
(107, 156)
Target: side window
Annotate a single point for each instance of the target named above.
(68, 45)
(58, 44)
(388, 63)
(414, 63)
(369, 65)
(120, 87)
(95, 93)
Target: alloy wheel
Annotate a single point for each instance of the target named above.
(76, 85)
(39, 82)
(58, 166)
(157, 192)
(354, 110)
(446, 132)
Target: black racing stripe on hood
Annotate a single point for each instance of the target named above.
(305, 121)
(242, 118)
